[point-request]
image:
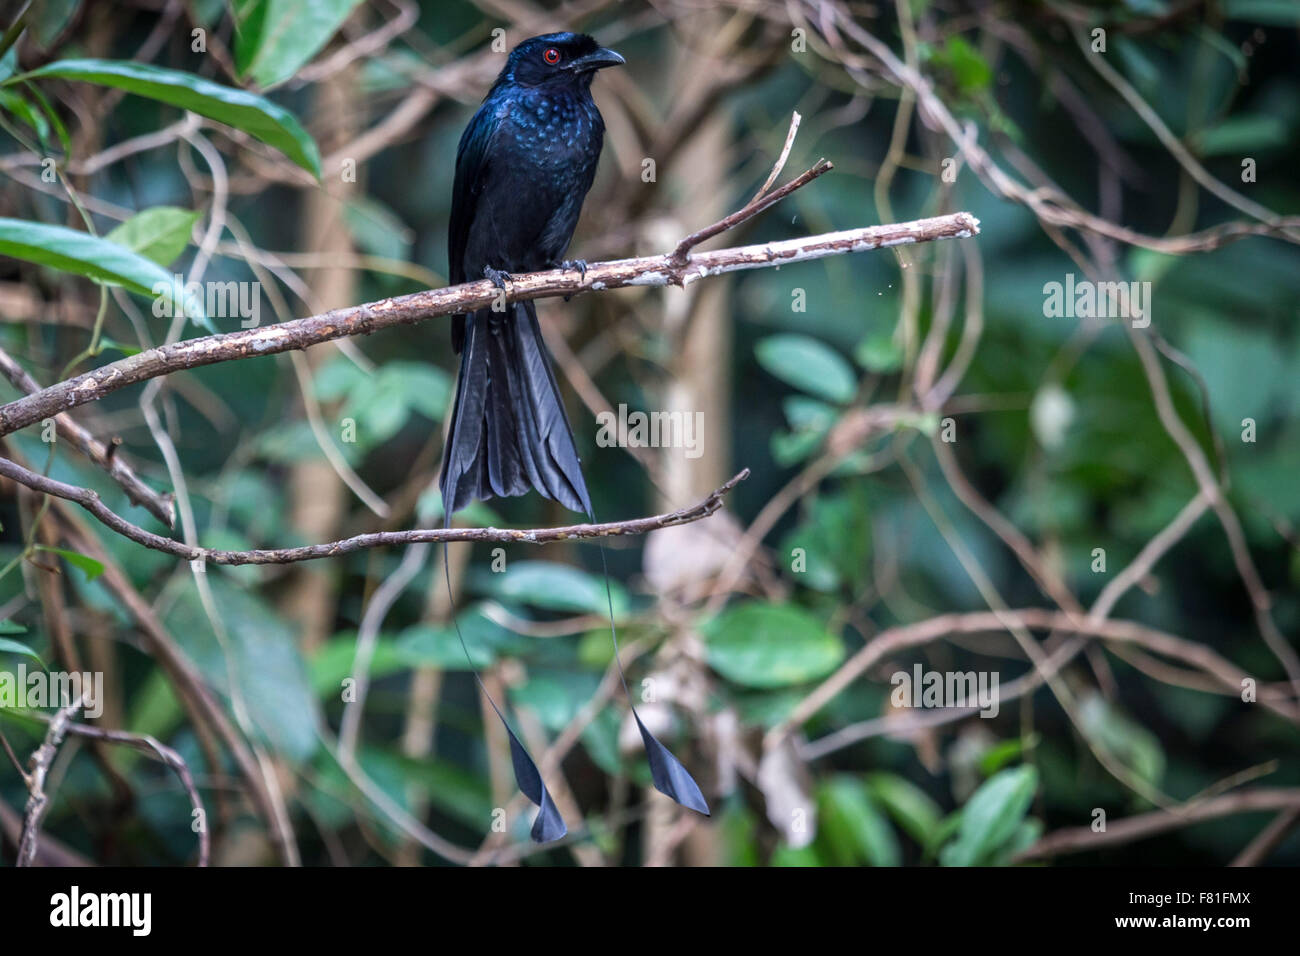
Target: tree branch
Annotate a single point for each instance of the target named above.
(896, 639)
(161, 506)
(38, 799)
(662, 270)
(680, 255)
(91, 501)
(1080, 839)
(160, 751)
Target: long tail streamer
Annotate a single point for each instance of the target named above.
(549, 825)
(669, 776)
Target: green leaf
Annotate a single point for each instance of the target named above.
(791, 448)
(13, 647)
(808, 414)
(556, 587)
(9, 627)
(260, 657)
(275, 38)
(555, 698)
(253, 114)
(808, 365)
(852, 827)
(907, 803)
(160, 233)
(381, 402)
(991, 817)
(419, 386)
(88, 565)
(1282, 13)
(879, 353)
(425, 645)
(970, 70)
(332, 663)
(28, 114)
(794, 856)
(770, 645)
(458, 792)
(1131, 744)
(51, 116)
(49, 20)
(810, 420)
(835, 542)
(1242, 135)
(940, 835)
(206, 13)
(376, 229)
(1002, 753)
(83, 254)
(1026, 835)
(600, 738)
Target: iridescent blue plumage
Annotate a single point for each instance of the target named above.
(523, 169)
(524, 166)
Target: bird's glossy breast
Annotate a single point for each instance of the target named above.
(557, 136)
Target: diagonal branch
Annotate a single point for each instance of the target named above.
(160, 751)
(662, 270)
(161, 506)
(38, 800)
(1144, 825)
(756, 205)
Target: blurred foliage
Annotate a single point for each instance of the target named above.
(1055, 425)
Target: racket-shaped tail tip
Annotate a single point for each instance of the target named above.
(669, 776)
(549, 825)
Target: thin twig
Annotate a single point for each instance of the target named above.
(161, 507)
(149, 745)
(896, 639)
(795, 119)
(1268, 839)
(1080, 839)
(38, 800)
(91, 501)
(758, 204)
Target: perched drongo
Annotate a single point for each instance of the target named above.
(523, 168)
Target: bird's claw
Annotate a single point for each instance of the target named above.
(499, 277)
(579, 264)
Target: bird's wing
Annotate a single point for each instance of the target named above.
(471, 172)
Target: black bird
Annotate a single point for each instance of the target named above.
(523, 168)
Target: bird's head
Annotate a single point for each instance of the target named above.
(557, 59)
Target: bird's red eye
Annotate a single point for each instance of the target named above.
(551, 56)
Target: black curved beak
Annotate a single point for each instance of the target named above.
(596, 61)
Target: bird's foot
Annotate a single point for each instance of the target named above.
(580, 265)
(499, 277)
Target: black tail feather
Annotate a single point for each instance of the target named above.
(509, 432)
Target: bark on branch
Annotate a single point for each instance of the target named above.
(161, 506)
(38, 800)
(1144, 825)
(91, 501)
(662, 270)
